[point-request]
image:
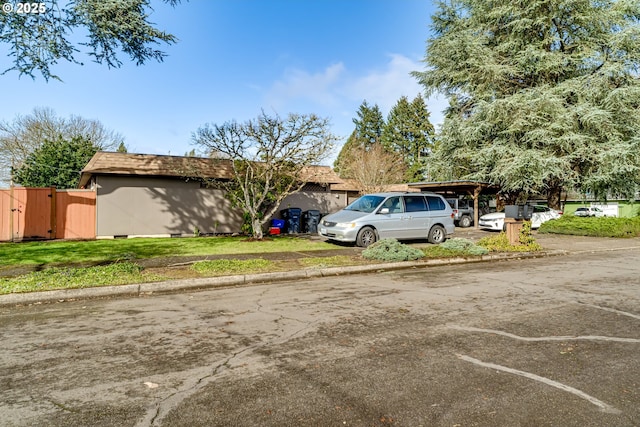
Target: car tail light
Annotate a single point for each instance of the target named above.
(452, 215)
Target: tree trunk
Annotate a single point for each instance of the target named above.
(256, 224)
(554, 196)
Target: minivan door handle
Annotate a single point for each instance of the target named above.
(407, 217)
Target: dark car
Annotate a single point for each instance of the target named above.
(462, 212)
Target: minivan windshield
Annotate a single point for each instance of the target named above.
(365, 204)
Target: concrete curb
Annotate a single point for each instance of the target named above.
(171, 286)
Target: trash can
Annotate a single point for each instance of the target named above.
(291, 217)
(311, 219)
(277, 223)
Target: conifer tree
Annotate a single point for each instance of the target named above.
(544, 95)
(409, 133)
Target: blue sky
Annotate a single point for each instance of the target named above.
(236, 57)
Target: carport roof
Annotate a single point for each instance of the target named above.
(456, 187)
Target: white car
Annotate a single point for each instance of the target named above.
(495, 220)
(596, 212)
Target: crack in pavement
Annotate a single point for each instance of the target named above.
(161, 408)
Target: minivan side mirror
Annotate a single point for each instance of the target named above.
(384, 211)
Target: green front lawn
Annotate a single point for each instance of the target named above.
(97, 251)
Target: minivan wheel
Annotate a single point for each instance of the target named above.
(465, 222)
(366, 236)
(437, 234)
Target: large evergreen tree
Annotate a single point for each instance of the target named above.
(544, 95)
(369, 125)
(409, 133)
(56, 163)
(39, 35)
(364, 158)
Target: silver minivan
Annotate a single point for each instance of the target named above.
(383, 215)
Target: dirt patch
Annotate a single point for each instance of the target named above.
(181, 269)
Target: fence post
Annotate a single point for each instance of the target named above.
(11, 208)
(52, 231)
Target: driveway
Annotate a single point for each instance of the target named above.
(532, 342)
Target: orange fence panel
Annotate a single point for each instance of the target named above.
(76, 214)
(44, 213)
(5, 215)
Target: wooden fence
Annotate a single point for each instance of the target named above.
(47, 213)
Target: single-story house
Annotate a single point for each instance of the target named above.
(158, 195)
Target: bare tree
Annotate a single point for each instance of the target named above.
(25, 134)
(269, 158)
(374, 167)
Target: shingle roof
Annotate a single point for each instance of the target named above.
(114, 163)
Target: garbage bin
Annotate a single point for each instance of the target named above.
(291, 217)
(276, 226)
(311, 219)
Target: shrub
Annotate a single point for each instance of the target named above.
(391, 250)
(526, 238)
(464, 246)
(597, 227)
(500, 243)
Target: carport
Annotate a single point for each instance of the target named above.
(455, 188)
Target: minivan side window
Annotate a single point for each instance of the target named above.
(414, 203)
(394, 204)
(435, 203)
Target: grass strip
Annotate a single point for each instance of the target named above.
(54, 252)
(74, 278)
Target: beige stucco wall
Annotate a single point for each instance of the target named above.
(142, 206)
(149, 206)
(314, 197)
